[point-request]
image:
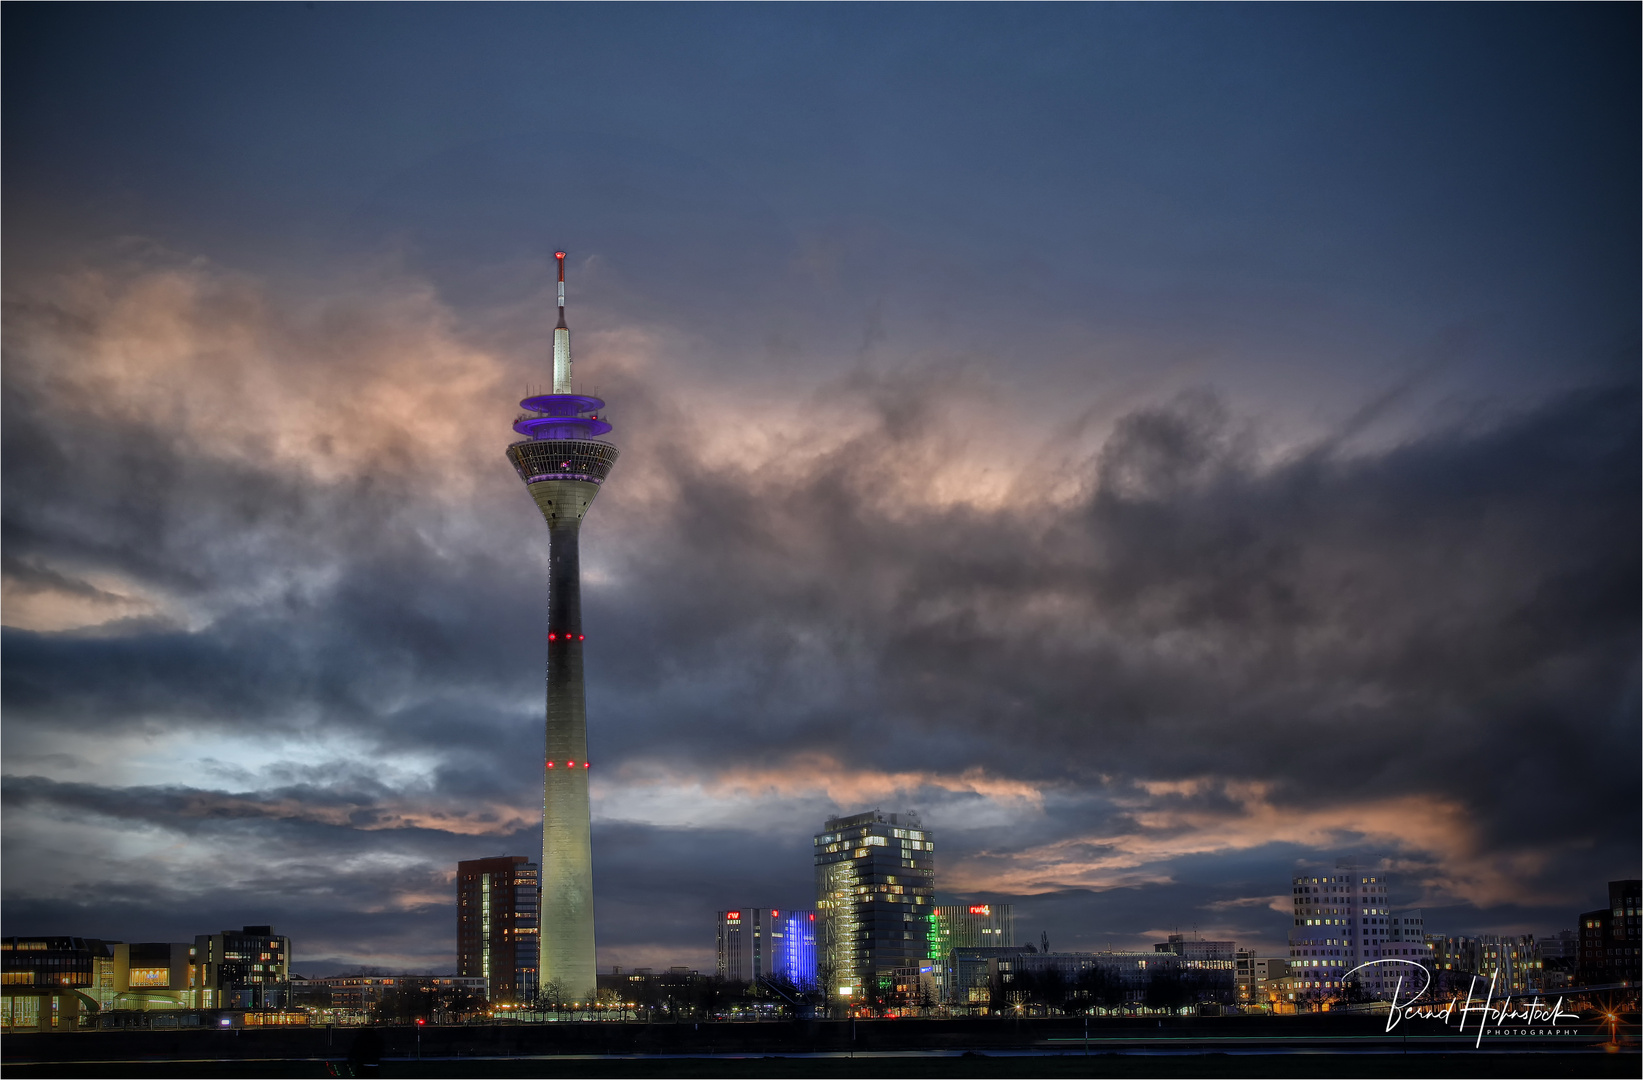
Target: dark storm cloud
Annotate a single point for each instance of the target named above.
(1465, 587)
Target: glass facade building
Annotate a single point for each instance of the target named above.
(498, 907)
(46, 982)
(875, 887)
(759, 943)
(965, 926)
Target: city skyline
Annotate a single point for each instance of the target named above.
(1159, 445)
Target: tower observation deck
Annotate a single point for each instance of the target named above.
(563, 466)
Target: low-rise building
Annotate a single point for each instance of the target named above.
(1259, 979)
(1512, 963)
(48, 983)
(152, 975)
(982, 975)
(1559, 960)
(1563, 945)
(677, 992)
(360, 994)
(1198, 949)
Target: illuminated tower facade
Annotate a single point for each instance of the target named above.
(563, 466)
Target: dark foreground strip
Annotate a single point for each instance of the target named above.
(1590, 1063)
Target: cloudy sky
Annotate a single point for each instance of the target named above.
(1161, 445)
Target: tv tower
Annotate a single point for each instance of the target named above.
(563, 467)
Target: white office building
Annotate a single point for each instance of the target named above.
(1345, 926)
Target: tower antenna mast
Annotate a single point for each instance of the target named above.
(561, 337)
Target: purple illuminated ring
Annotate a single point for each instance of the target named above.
(562, 404)
(560, 427)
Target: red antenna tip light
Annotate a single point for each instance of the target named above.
(559, 254)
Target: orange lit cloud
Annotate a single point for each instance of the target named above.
(1166, 827)
(335, 387)
(467, 819)
(819, 775)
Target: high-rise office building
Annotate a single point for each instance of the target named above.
(238, 968)
(497, 910)
(793, 947)
(760, 943)
(875, 886)
(563, 466)
(965, 926)
(1609, 940)
(969, 926)
(1343, 921)
(740, 944)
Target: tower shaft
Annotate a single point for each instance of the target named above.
(567, 848)
(563, 477)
